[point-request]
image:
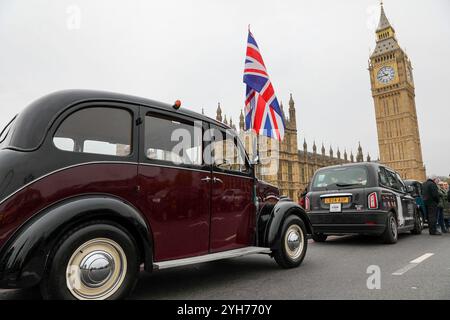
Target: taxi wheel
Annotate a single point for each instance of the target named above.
(418, 223)
(95, 261)
(390, 234)
(292, 244)
(319, 237)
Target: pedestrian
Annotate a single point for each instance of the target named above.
(431, 199)
(440, 208)
(447, 209)
(448, 194)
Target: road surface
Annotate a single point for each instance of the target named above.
(417, 267)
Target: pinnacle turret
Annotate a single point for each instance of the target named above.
(219, 113)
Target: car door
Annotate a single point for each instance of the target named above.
(404, 208)
(232, 204)
(408, 202)
(175, 184)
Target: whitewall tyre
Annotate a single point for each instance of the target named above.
(96, 261)
(293, 243)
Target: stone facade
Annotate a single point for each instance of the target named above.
(393, 93)
(295, 167)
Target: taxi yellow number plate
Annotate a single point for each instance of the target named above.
(337, 200)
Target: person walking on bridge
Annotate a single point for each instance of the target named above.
(431, 199)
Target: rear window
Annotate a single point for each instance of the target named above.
(341, 177)
(99, 130)
(5, 135)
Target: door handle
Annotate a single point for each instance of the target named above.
(207, 179)
(217, 180)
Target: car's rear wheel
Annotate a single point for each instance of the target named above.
(319, 237)
(390, 234)
(418, 223)
(293, 243)
(97, 261)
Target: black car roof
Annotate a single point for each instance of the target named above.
(32, 123)
(353, 164)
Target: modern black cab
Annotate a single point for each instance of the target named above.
(361, 198)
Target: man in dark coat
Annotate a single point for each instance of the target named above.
(448, 195)
(431, 199)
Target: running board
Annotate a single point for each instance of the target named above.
(210, 257)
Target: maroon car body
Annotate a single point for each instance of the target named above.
(75, 157)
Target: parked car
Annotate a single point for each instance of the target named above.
(417, 194)
(92, 187)
(361, 198)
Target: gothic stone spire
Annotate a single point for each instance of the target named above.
(384, 22)
(359, 155)
(219, 113)
(241, 121)
(292, 112)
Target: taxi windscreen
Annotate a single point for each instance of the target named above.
(341, 177)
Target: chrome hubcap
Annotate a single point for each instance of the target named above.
(294, 242)
(96, 270)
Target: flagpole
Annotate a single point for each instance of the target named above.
(256, 149)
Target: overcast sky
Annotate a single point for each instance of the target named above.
(194, 51)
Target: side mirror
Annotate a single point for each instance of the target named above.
(411, 191)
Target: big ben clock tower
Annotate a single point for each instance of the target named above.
(392, 84)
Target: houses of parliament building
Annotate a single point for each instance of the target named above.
(399, 144)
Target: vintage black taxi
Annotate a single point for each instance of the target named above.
(93, 187)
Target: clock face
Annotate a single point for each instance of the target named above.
(385, 74)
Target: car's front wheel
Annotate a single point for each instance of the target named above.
(96, 261)
(292, 244)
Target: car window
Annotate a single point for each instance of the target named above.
(340, 177)
(227, 151)
(173, 140)
(66, 144)
(400, 182)
(384, 181)
(5, 135)
(98, 130)
(393, 182)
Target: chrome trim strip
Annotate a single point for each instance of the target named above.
(172, 167)
(233, 175)
(271, 197)
(210, 257)
(192, 169)
(336, 195)
(62, 169)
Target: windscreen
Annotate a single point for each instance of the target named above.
(340, 177)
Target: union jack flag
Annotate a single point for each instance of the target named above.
(262, 111)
